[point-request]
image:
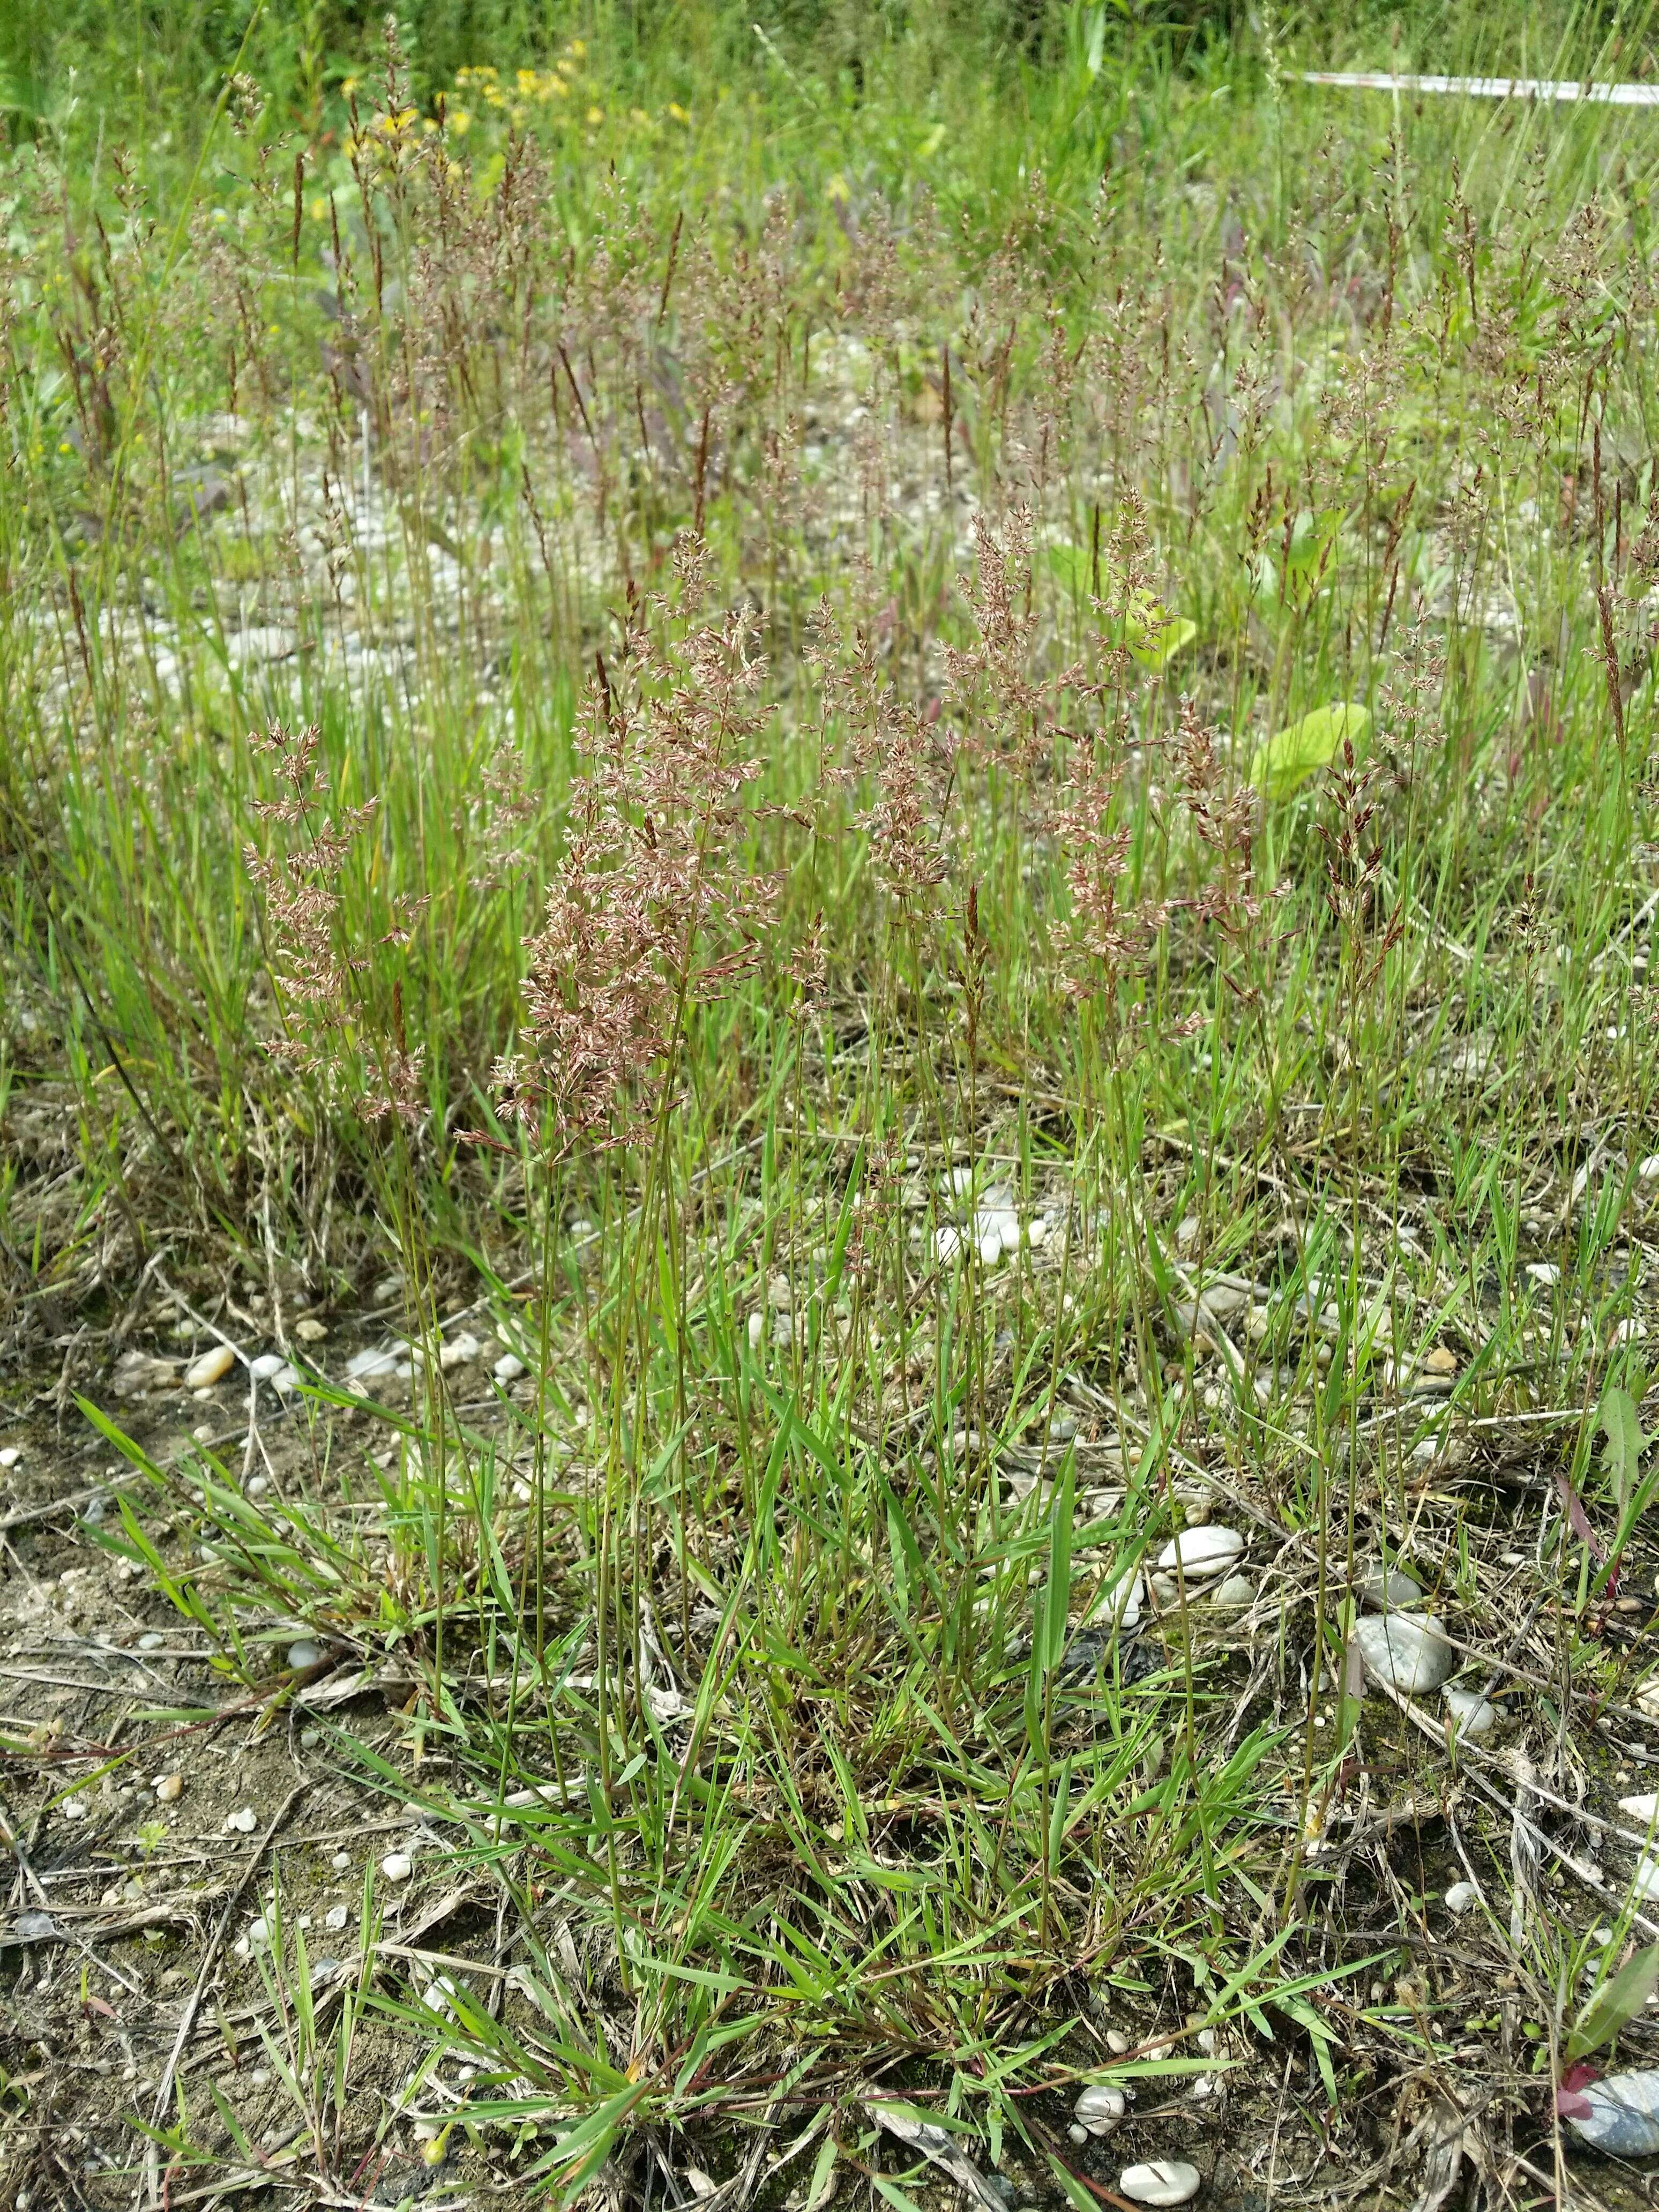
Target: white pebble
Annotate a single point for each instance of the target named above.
(1037, 1235)
(304, 1654)
(10, 1457)
(151, 1640)
(286, 1379)
(1545, 1271)
(990, 1248)
(1164, 2181)
(1117, 2043)
(460, 1350)
(1470, 1714)
(1202, 1551)
(1641, 1809)
(169, 1788)
(1460, 1897)
(1099, 2109)
(258, 1485)
(757, 1327)
(1238, 1590)
(73, 1808)
(363, 1366)
(336, 1916)
(340, 1861)
(266, 1366)
(397, 1866)
(1120, 1602)
(1646, 1883)
(509, 1368)
(1619, 2114)
(259, 1931)
(947, 1243)
(1393, 1589)
(1079, 2135)
(310, 1738)
(243, 1822)
(1409, 1655)
(212, 1367)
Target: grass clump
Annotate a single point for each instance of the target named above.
(967, 844)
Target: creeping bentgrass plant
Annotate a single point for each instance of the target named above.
(972, 852)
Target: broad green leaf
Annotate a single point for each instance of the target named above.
(1287, 762)
(1621, 1455)
(1615, 2004)
(1154, 635)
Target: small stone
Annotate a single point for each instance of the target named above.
(1099, 2109)
(212, 1367)
(1237, 1591)
(202, 1433)
(310, 1738)
(151, 1640)
(1166, 1590)
(74, 1808)
(304, 1654)
(1390, 1589)
(336, 1916)
(1619, 2114)
(947, 1243)
(990, 1248)
(10, 1457)
(757, 1328)
(1036, 1235)
(1202, 1551)
(1117, 2043)
(285, 1380)
(1079, 2136)
(779, 1296)
(366, 1366)
(242, 1822)
(310, 1331)
(1406, 1654)
(509, 1368)
(258, 1485)
(1470, 1714)
(1642, 1808)
(259, 1931)
(1545, 1271)
(397, 1866)
(169, 1789)
(460, 1350)
(1164, 2181)
(1120, 1602)
(1647, 1873)
(340, 1861)
(269, 1363)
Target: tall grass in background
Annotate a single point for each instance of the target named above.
(658, 682)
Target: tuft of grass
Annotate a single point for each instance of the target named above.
(949, 800)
